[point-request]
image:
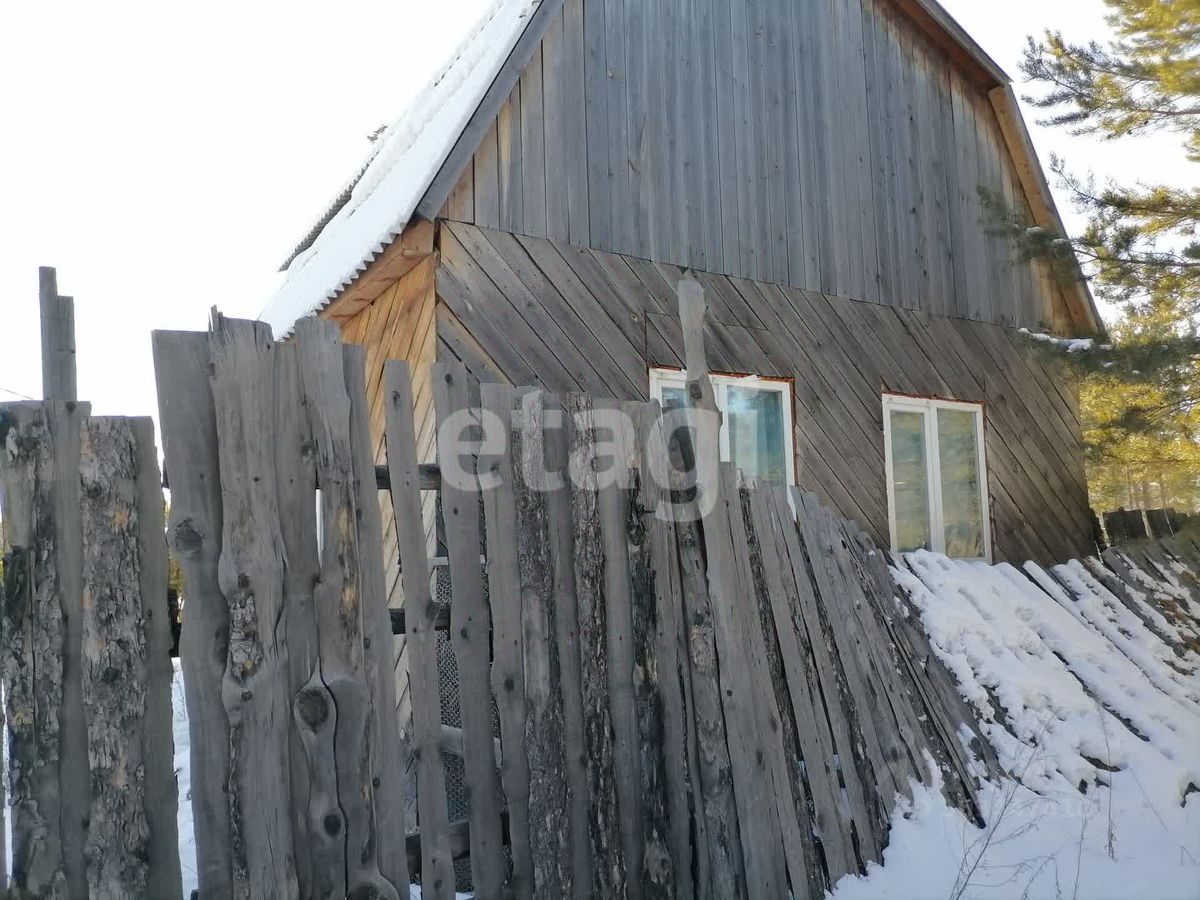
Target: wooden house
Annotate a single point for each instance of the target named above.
(817, 165)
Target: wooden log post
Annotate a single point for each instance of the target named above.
(132, 845)
(608, 876)
(543, 738)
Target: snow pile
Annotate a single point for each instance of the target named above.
(1095, 718)
(407, 157)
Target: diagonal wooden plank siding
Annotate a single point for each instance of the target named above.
(828, 145)
(497, 293)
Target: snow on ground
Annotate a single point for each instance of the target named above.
(183, 778)
(1097, 722)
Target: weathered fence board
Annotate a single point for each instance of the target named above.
(814, 739)
(469, 625)
(560, 526)
(250, 575)
(658, 693)
(66, 419)
(187, 417)
(162, 801)
(59, 380)
(332, 711)
(505, 596)
(612, 502)
(437, 872)
(387, 762)
(762, 848)
(295, 477)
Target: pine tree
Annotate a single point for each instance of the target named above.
(1141, 391)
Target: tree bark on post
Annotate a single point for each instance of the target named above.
(42, 545)
(132, 846)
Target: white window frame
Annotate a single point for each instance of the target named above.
(933, 468)
(677, 378)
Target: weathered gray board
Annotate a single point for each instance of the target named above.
(304, 794)
(669, 780)
(828, 145)
(572, 319)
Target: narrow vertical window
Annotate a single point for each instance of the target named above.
(937, 483)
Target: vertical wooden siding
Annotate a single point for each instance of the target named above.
(533, 311)
(827, 145)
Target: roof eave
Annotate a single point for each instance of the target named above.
(1081, 305)
(944, 30)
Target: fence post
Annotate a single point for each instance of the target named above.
(58, 339)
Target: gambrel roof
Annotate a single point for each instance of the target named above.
(415, 163)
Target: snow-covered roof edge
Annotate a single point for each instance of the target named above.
(406, 159)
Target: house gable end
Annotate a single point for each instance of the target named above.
(754, 149)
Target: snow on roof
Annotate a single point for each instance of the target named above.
(403, 162)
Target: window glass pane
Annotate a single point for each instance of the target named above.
(757, 442)
(673, 397)
(911, 480)
(962, 512)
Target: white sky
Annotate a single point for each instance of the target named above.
(166, 157)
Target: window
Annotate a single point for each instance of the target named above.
(756, 423)
(936, 477)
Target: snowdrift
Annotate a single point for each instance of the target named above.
(1086, 680)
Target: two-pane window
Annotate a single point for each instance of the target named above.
(756, 422)
(937, 483)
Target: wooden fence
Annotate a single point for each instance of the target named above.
(1124, 525)
(1159, 582)
(651, 704)
(667, 688)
